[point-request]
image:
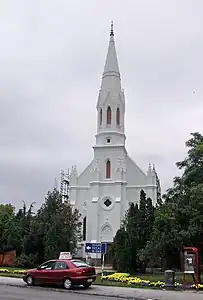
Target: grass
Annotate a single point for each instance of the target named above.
(160, 277)
(99, 281)
(147, 276)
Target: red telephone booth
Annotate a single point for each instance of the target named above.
(191, 265)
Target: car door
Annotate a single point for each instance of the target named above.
(43, 275)
(59, 272)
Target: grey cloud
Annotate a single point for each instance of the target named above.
(52, 58)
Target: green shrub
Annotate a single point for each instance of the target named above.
(26, 261)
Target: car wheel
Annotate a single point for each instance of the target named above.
(67, 284)
(87, 285)
(29, 280)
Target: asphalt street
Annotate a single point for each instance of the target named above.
(15, 288)
(20, 293)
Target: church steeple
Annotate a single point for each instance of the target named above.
(111, 65)
(111, 100)
(111, 69)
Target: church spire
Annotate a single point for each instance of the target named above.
(111, 66)
(111, 100)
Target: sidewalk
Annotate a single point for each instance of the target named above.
(106, 270)
(118, 292)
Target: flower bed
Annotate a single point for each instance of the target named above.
(12, 271)
(138, 282)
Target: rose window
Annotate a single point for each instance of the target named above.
(107, 202)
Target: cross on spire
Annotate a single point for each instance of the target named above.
(111, 32)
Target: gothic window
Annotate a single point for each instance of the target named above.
(108, 169)
(118, 116)
(84, 228)
(108, 116)
(100, 117)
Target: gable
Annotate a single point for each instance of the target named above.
(135, 176)
(86, 176)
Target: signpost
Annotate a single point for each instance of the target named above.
(97, 248)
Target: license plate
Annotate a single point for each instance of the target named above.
(89, 280)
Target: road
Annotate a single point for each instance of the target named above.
(16, 289)
(20, 293)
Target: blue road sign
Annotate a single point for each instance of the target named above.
(96, 248)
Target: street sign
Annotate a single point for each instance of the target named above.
(96, 248)
(65, 255)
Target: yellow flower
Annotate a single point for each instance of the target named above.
(18, 271)
(4, 271)
(133, 280)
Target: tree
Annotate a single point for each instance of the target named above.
(7, 213)
(192, 165)
(37, 237)
(179, 221)
(121, 251)
(145, 225)
(133, 235)
(57, 226)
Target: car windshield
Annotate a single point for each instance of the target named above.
(80, 264)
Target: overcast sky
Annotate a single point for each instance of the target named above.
(52, 56)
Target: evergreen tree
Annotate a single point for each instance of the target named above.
(59, 226)
(179, 221)
(133, 235)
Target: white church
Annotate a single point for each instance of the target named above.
(112, 180)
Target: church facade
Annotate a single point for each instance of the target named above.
(103, 191)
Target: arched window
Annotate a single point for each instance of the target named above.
(108, 169)
(118, 116)
(108, 116)
(100, 117)
(84, 228)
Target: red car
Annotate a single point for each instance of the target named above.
(66, 273)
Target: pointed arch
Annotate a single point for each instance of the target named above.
(108, 169)
(106, 228)
(100, 116)
(108, 116)
(84, 228)
(118, 116)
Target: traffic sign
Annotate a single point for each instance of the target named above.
(96, 248)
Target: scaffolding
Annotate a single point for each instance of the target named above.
(64, 188)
